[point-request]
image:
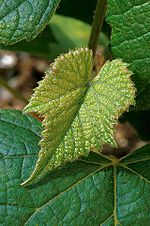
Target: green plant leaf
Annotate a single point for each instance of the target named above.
(130, 41)
(59, 37)
(79, 113)
(92, 191)
(23, 19)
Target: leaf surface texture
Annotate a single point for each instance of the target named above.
(79, 112)
(131, 40)
(24, 19)
(92, 190)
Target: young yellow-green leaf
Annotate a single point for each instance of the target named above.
(79, 113)
(24, 19)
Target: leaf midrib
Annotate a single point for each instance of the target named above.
(136, 161)
(18, 156)
(134, 172)
(76, 113)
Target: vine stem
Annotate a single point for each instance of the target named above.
(97, 25)
(15, 93)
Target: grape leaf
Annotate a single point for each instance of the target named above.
(79, 113)
(24, 19)
(91, 191)
(130, 41)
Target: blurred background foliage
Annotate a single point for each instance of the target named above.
(60, 35)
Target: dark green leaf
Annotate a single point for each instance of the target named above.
(23, 19)
(94, 191)
(131, 40)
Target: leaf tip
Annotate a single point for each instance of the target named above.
(28, 182)
(25, 183)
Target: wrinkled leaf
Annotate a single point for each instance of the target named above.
(23, 19)
(131, 40)
(79, 113)
(82, 193)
